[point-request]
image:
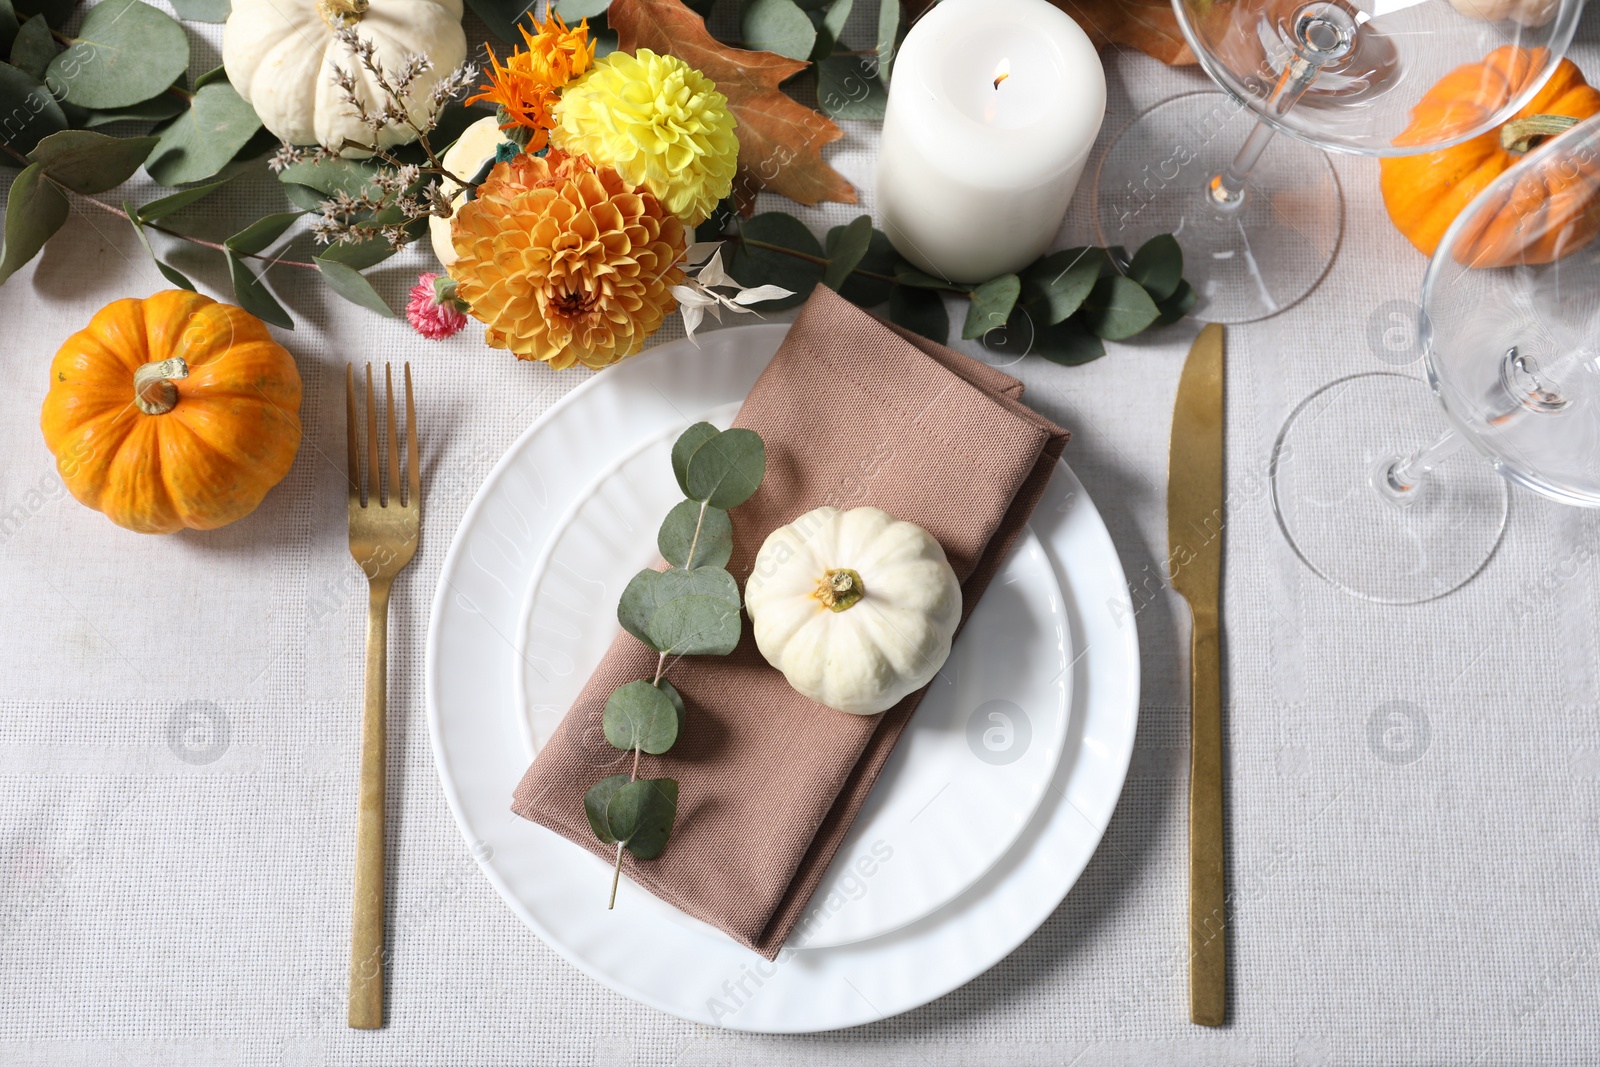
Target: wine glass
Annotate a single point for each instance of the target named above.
(1402, 510)
(1260, 223)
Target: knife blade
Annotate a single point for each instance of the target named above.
(1195, 521)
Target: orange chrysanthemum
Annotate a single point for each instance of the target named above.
(526, 86)
(565, 261)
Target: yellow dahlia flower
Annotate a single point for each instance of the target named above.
(658, 121)
(566, 262)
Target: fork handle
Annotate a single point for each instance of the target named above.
(366, 930)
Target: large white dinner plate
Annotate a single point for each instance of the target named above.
(678, 968)
(965, 777)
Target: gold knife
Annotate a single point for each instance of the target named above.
(1195, 524)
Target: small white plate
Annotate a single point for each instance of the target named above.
(549, 882)
(965, 777)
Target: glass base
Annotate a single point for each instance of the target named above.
(1326, 467)
(1247, 261)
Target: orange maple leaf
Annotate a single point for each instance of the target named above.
(780, 139)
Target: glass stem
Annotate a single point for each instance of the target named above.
(1401, 480)
(1227, 187)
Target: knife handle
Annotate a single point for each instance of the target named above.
(1208, 917)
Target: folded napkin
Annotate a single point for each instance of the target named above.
(853, 413)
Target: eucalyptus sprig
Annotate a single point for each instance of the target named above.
(1063, 306)
(689, 609)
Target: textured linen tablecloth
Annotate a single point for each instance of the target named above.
(1412, 791)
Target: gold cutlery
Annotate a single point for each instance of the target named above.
(1195, 521)
(384, 525)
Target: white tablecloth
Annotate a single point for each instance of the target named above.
(179, 738)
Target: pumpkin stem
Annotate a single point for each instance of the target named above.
(840, 589)
(153, 390)
(1522, 135)
(339, 14)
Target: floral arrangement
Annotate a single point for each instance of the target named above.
(601, 177)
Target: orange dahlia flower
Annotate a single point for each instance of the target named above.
(565, 262)
(526, 86)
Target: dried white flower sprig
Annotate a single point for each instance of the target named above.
(399, 193)
(699, 291)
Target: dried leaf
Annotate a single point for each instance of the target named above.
(1151, 26)
(780, 139)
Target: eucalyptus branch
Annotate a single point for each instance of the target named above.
(202, 242)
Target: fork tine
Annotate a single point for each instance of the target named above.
(374, 479)
(351, 440)
(392, 485)
(414, 494)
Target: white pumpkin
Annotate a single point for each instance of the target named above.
(280, 56)
(856, 608)
(475, 147)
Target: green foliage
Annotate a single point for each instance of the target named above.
(88, 162)
(689, 609)
(214, 11)
(845, 249)
(33, 48)
(991, 305)
(778, 249)
(848, 88)
(778, 26)
(32, 111)
(126, 51)
(35, 209)
(919, 310)
(204, 139)
(253, 296)
(350, 284)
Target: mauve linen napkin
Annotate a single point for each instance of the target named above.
(853, 413)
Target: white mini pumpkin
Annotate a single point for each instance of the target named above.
(280, 56)
(475, 147)
(856, 608)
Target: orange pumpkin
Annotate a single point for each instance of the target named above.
(1554, 212)
(172, 411)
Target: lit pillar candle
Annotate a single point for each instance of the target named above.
(993, 108)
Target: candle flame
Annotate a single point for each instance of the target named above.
(1001, 72)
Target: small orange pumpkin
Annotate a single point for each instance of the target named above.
(172, 411)
(1545, 217)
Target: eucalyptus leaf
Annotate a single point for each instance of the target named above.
(358, 255)
(8, 26)
(213, 11)
(889, 20)
(677, 702)
(1057, 285)
(33, 48)
(166, 205)
(777, 26)
(848, 88)
(171, 274)
(713, 546)
(695, 626)
(595, 801)
(1158, 266)
(1068, 343)
(126, 51)
(35, 210)
(573, 10)
(906, 274)
(638, 605)
(28, 111)
(253, 296)
(259, 235)
(991, 305)
(638, 715)
(1117, 308)
(847, 246)
(215, 74)
(687, 444)
(727, 470)
(753, 265)
(838, 13)
(702, 581)
(88, 162)
(880, 259)
(502, 16)
(1176, 306)
(921, 311)
(156, 109)
(641, 813)
(350, 284)
(332, 176)
(204, 139)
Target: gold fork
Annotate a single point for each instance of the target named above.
(384, 525)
